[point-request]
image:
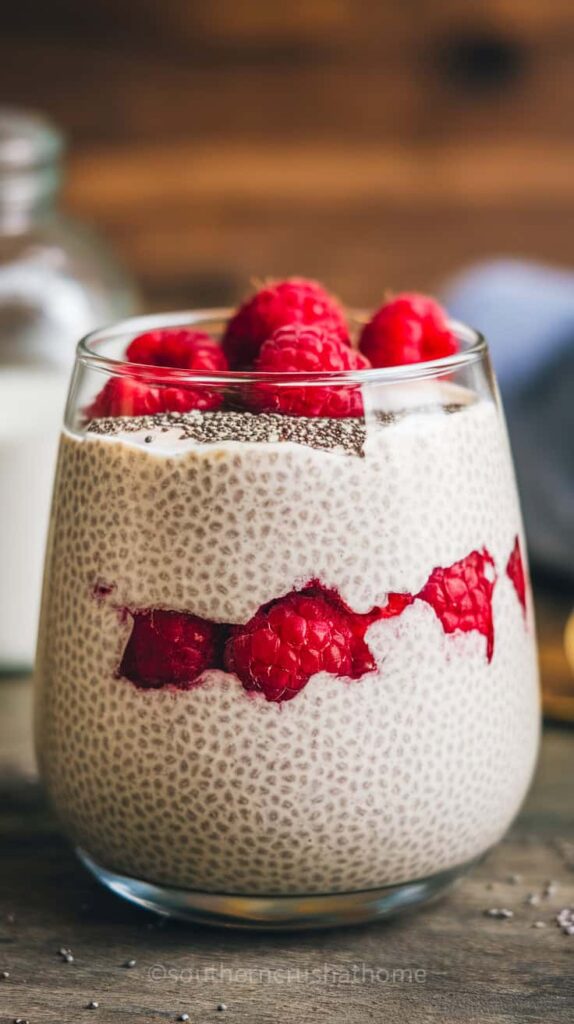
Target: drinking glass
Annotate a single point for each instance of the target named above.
(286, 670)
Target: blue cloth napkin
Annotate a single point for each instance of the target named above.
(526, 312)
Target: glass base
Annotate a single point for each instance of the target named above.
(276, 912)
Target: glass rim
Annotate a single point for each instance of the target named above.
(475, 349)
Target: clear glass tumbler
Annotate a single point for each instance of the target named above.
(286, 671)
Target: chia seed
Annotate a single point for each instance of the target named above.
(183, 1016)
(347, 435)
(325, 434)
(499, 912)
(565, 920)
(4, 975)
(222, 1006)
(130, 963)
(93, 1005)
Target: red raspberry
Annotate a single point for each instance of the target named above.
(168, 649)
(295, 300)
(291, 639)
(407, 329)
(396, 604)
(122, 396)
(299, 349)
(184, 399)
(461, 596)
(179, 347)
(516, 572)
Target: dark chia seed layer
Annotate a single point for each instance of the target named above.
(342, 435)
(345, 436)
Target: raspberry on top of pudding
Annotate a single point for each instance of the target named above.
(409, 328)
(291, 326)
(279, 304)
(176, 348)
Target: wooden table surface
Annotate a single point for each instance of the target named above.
(446, 963)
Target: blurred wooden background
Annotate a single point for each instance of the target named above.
(366, 142)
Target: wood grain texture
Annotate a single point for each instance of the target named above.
(363, 219)
(371, 144)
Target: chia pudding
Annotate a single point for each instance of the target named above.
(355, 783)
(285, 654)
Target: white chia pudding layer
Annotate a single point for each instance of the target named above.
(415, 768)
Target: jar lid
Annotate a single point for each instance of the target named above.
(27, 140)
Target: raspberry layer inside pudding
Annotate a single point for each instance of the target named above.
(286, 644)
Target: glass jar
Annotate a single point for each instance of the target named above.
(55, 277)
(286, 670)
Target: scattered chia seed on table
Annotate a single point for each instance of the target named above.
(93, 1005)
(4, 975)
(130, 963)
(502, 913)
(565, 920)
